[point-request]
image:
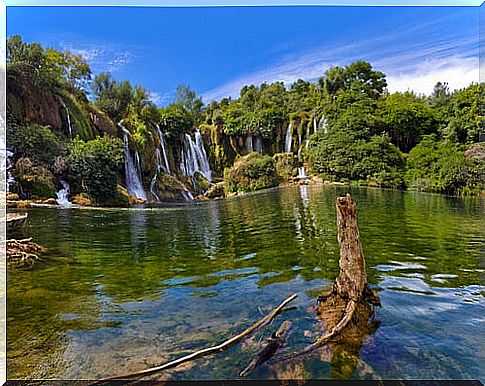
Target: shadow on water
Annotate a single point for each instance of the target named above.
(122, 290)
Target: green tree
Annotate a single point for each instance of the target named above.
(95, 166)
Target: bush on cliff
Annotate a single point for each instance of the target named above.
(95, 166)
(39, 143)
(251, 172)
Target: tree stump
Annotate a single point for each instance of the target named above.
(346, 310)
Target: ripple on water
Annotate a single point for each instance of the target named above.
(142, 286)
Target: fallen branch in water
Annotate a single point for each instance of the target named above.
(207, 351)
(275, 342)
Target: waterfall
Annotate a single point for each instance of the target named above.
(160, 165)
(194, 158)
(322, 124)
(307, 134)
(132, 168)
(205, 168)
(68, 117)
(9, 167)
(249, 143)
(288, 139)
(314, 124)
(301, 173)
(187, 195)
(63, 194)
(258, 144)
(153, 182)
(166, 165)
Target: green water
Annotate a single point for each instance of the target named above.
(122, 290)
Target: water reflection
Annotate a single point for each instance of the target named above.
(136, 287)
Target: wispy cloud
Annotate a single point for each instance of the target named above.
(414, 64)
(101, 57)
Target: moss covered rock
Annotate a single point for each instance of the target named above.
(251, 172)
(216, 190)
(170, 188)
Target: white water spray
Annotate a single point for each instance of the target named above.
(249, 143)
(288, 139)
(194, 158)
(258, 144)
(132, 168)
(63, 194)
(68, 117)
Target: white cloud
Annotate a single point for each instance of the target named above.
(99, 56)
(457, 72)
(415, 66)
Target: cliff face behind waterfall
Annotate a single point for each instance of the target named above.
(344, 127)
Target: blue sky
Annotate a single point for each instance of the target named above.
(216, 50)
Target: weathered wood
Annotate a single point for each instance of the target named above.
(207, 351)
(275, 342)
(352, 278)
(15, 221)
(23, 252)
(351, 297)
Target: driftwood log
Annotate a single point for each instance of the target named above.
(23, 252)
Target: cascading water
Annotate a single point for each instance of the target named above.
(132, 168)
(153, 182)
(63, 194)
(194, 158)
(307, 135)
(160, 165)
(187, 195)
(68, 118)
(301, 173)
(249, 143)
(258, 144)
(314, 125)
(9, 167)
(288, 139)
(322, 124)
(166, 165)
(205, 168)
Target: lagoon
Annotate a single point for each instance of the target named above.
(125, 289)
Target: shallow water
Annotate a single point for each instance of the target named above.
(122, 290)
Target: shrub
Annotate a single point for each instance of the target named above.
(36, 142)
(35, 180)
(251, 172)
(441, 167)
(95, 165)
(343, 157)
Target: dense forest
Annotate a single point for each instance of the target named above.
(111, 145)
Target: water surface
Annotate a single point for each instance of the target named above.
(122, 290)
